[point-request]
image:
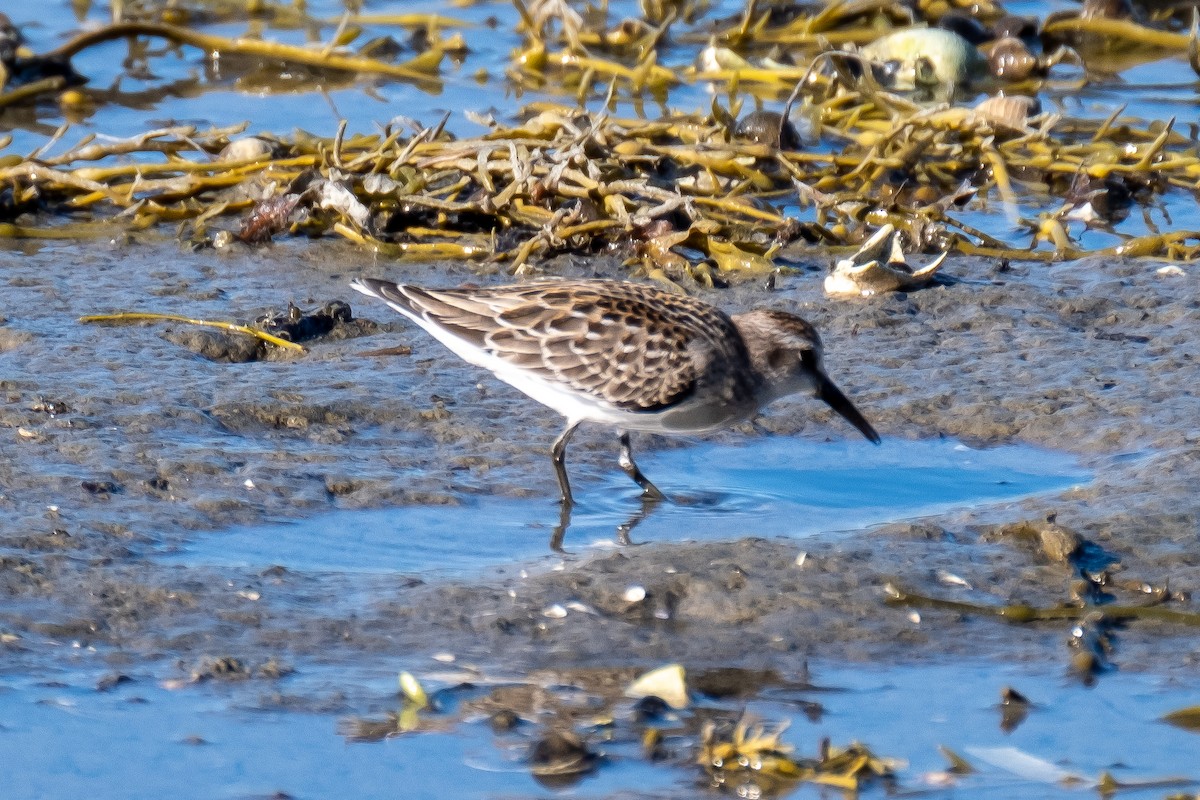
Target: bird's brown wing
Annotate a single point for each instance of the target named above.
(631, 346)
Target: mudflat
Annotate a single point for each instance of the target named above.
(126, 442)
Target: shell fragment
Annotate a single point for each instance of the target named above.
(869, 271)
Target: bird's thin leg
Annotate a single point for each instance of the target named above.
(649, 490)
(559, 453)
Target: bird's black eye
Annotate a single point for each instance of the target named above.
(777, 358)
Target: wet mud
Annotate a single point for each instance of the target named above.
(120, 443)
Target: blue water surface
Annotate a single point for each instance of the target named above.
(767, 486)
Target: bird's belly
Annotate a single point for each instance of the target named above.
(689, 417)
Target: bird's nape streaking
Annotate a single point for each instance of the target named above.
(626, 355)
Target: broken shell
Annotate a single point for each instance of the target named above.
(575, 605)
(865, 274)
(1009, 112)
(250, 148)
(950, 579)
(927, 57)
(666, 683)
(554, 612)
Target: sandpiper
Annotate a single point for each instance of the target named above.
(624, 354)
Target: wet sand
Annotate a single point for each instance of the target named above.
(123, 442)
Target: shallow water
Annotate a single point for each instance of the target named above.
(65, 739)
(772, 486)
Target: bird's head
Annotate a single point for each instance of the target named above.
(787, 352)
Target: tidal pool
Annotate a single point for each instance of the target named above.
(767, 486)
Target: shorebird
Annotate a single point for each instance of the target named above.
(624, 354)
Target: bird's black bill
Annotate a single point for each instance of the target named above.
(842, 405)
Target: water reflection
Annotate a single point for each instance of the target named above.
(648, 506)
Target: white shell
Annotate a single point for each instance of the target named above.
(1012, 112)
(634, 594)
(666, 683)
(865, 273)
(575, 605)
(249, 148)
